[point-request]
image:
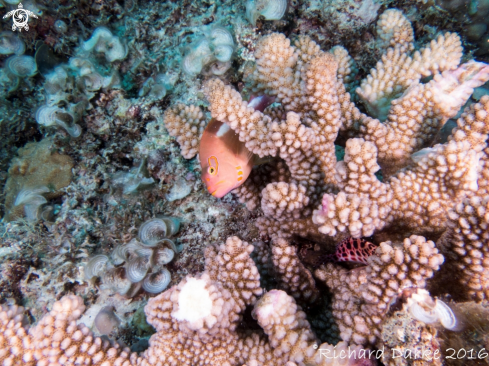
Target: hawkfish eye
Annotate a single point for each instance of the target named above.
(213, 165)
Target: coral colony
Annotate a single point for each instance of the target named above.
(244, 183)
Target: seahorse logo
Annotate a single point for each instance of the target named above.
(20, 17)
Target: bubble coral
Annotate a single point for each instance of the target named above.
(197, 58)
(106, 320)
(134, 181)
(144, 261)
(104, 42)
(218, 47)
(181, 188)
(222, 43)
(137, 268)
(89, 78)
(8, 82)
(156, 230)
(156, 87)
(49, 116)
(269, 9)
(96, 266)
(32, 200)
(73, 84)
(22, 66)
(60, 27)
(56, 81)
(11, 43)
(423, 308)
(155, 283)
(115, 280)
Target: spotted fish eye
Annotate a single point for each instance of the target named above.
(213, 165)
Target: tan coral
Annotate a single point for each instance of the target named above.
(12, 334)
(226, 105)
(250, 191)
(57, 340)
(274, 70)
(347, 69)
(306, 141)
(393, 28)
(307, 49)
(196, 324)
(206, 310)
(465, 244)
(241, 277)
(392, 182)
(294, 143)
(397, 70)
(284, 201)
(362, 296)
(287, 328)
(483, 181)
(292, 275)
(418, 197)
(186, 124)
(321, 84)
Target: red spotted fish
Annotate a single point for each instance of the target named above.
(354, 250)
(348, 250)
(225, 161)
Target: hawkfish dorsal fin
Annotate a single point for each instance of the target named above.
(260, 161)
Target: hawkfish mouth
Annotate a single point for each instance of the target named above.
(216, 190)
(218, 194)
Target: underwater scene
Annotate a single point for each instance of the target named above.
(244, 182)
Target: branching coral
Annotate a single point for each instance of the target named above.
(292, 275)
(56, 339)
(465, 244)
(392, 181)
(304, 80)
(362, 296)
(196, 324)
(187, 125)
(417, 198)
(398, 71)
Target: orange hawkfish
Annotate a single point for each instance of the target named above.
(225, 161)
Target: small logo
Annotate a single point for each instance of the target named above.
(20, 17)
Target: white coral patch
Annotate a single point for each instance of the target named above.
(194, 302)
